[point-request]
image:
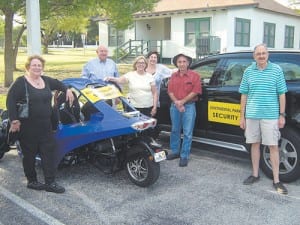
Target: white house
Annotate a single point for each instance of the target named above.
(209, 25)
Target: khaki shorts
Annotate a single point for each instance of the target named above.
(263, 131)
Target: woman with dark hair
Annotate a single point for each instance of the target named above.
(158, 71)
(35, 132)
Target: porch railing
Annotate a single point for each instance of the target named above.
(134, 48)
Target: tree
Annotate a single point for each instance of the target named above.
(68, 15)
(55, 28)
(120, 12)
(9, 8)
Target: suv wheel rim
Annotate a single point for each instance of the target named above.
(287, 156)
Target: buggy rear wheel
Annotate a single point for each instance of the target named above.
(141, 170)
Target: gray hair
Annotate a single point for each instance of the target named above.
(261, 45)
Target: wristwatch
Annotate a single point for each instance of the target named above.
(282, 114)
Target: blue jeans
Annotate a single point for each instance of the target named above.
(182, 121)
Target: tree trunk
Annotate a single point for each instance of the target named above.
(45, 44)
(45, 48)
(8, 49)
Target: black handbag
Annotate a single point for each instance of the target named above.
(23, 107)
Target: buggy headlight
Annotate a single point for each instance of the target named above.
(143, 125)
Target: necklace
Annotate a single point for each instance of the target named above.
(37, 82)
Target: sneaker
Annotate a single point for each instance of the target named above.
(54, 187)
(36, 185)
(280, 188)
(250, 180)
(172, 156)
(183, 162)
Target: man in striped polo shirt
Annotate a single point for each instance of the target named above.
(263, 91)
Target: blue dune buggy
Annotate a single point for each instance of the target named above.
(101, 127)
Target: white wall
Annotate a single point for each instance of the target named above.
(257, 18)
(103, 36)
(103, 33)
(152, 29)
(129, 34)
(222, 25)
(219, 27)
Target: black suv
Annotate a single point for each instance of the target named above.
(218, 109)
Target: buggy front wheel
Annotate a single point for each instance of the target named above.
(141, 170)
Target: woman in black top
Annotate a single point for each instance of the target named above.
(35, 132)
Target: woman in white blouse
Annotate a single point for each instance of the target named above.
(142, 89)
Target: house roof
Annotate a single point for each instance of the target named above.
(165, 7)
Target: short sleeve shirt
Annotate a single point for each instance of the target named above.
(263, 88)
(140, 92)
(181, 86)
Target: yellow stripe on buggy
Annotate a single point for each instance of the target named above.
(101, 93)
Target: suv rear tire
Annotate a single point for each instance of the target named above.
(289, 156)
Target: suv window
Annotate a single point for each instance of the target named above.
(291, 71)
(234, 71)
(206, 71)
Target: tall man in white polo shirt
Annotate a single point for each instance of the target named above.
(263, 102)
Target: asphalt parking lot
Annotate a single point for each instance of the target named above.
(208, 191)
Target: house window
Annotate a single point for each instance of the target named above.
(115, 37)
(196, 28)
(242, 32)
(269, 34)
(289, 37)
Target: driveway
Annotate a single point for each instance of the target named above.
(208, 191)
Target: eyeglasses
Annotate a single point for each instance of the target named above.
(141, 63)
(260, 53)
(36, 65)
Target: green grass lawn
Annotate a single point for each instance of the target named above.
(60, 64)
